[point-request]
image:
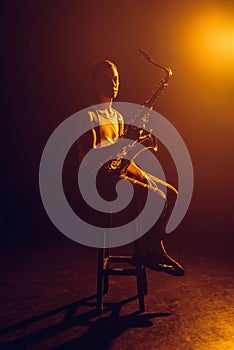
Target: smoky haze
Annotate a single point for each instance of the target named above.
(49, 50)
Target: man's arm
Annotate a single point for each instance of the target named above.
(86, 141)
(134, 170)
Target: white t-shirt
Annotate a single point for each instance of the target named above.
(109, 123)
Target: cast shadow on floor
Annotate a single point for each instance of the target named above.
(101, 332)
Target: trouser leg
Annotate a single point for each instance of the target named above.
(149, 249)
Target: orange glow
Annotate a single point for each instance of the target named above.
(210, 39)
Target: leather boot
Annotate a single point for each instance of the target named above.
(149, 250)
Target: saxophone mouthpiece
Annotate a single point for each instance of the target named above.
(145, 54)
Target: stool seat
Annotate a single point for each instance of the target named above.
(107, 266)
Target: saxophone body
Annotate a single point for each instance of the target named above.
(140, 134)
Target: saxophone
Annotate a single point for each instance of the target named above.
(119, 165)
(142, 136)
(150, 103)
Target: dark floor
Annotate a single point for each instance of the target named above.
(47, 301)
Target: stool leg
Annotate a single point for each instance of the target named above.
(140, 287)
(100, 280)
(144, 281)
(105, 270)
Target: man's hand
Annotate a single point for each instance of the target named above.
(136, 171)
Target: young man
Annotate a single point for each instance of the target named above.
(107, 125)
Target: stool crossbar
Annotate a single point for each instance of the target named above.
(107, 268)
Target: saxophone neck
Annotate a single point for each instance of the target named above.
(150, 103)
(166, 69)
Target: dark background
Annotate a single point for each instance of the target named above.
(48, 48)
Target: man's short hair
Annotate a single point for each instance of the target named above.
(101, 65)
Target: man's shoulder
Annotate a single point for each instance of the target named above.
(118, 114)
(89, 114)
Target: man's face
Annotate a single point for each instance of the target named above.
(107, 82)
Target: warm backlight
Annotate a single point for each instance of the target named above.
(210, 39)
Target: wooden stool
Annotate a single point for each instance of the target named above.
(106, 268)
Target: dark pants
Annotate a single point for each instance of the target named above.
(106, 185)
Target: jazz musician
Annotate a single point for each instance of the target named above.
(150, 251)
